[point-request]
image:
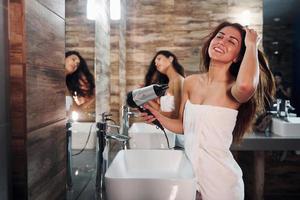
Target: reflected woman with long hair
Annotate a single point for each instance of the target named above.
(80, 82)
(166, 69)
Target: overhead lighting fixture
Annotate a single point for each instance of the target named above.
(115, 9)
(91, 10)
(276, 19)
(245, 18)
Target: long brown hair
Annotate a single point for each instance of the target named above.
(265, 90)
(154, 76)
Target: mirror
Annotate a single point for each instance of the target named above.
(80, 97)
(81, 88)
(178, 26)
(280, 43)
(80, 81)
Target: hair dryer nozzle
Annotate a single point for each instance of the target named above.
(165, 87)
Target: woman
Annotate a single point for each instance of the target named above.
(218, 106)
(282, 90)
(80, 82)
(165, 69)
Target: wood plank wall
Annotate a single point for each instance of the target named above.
(17, 99)
(122, 58)
(5, 154)
(178, 26)
(80, 32)
(115, 101)
(175, 25)
(118, 64)
(37, 37)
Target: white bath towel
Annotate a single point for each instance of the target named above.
(208, 137)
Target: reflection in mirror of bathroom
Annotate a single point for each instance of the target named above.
(80, 82)
(144, 28)
(80, 62)
(280, 30)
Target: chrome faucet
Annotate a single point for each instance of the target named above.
(277, 105)
(282, 108)
(287, 108)
(103, 148)
(126, 113)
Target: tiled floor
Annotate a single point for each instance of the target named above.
(84, 176)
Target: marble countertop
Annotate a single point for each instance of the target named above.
(267, 142)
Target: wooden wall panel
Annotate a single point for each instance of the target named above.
(80, 32)
(46, 165)
(178, 26)
(45, 36)
(45, 96)
(45, 100)
(45, 61)
(37, 37)
(118, 64)
(114, 71)
(5, 156)
(17, 99)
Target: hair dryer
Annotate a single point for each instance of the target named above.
(138, 97)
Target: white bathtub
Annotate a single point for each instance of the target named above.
(80, 132)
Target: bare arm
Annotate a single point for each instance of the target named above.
(174, 125)
(248, 76)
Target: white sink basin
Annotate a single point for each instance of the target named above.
(150, 175)
(290, 128)
(147, 136)
(80, 134)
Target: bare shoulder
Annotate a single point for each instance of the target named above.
(195, 79)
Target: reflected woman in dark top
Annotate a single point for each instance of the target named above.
(282, 90)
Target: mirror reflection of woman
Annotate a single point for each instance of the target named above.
(218, 107)
(283, 91)
(80, 83)
(165, 69)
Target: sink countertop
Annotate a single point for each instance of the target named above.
(267, 142)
